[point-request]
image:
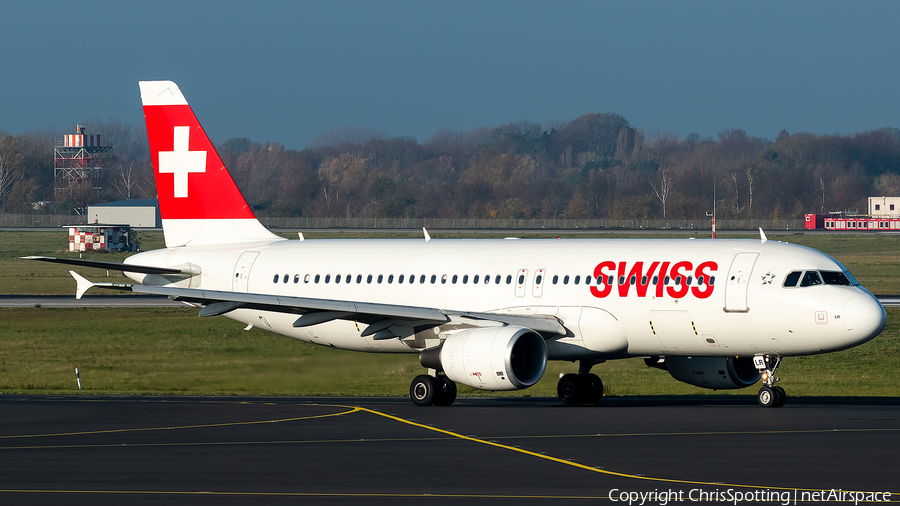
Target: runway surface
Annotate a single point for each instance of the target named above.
(153, 450)
(87, 301)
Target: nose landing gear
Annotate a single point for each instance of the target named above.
(769, 396)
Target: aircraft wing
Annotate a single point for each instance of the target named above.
(384, 321)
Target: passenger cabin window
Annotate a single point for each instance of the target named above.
(369, 278)
(508, 279)
(296, 278)
(306, 278)
(317, 278)
(555, 278)
(497, 280)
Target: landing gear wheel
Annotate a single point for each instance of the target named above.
(422, 390)
(446, 391)
(781, 396)
(767, 397)
(594, 389)
(570, 388)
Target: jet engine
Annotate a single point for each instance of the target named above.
(719, 373)
(491, 358)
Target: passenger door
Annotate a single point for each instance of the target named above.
(738, 282)
(241, 279)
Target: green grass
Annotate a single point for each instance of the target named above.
(166, 351)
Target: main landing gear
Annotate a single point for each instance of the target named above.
(426, 390)
(581, 388)
(769, 396)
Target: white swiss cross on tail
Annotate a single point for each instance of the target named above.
(180, 162)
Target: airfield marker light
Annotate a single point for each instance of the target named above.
(78, 378)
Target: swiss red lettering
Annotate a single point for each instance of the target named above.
(601, 274)
(706, 289)
(660, 285)
(679, 290)
(641, 282)
(678, 275)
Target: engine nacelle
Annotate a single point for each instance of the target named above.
(492, 358)
(719, 373)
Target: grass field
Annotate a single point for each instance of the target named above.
(165, 351)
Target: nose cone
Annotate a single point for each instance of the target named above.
(864, 318)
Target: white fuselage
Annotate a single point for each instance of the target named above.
(739, 307)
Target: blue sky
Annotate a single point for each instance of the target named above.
(287, 71)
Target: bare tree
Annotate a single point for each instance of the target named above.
(10, 161)
(665, 186)
(127, 181)
(751, 172)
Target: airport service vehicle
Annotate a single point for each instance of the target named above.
(718, 314)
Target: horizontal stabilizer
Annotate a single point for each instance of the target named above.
(114, 266)
(83, 285)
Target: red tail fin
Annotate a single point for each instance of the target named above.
(198, 200)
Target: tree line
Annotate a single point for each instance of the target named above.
(595, 166)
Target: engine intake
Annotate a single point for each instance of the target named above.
(719, 373)
(494, 358)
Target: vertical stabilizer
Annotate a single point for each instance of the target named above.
(198, 200)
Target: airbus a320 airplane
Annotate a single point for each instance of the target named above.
(489, 314)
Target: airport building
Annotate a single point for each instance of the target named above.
(133, 212)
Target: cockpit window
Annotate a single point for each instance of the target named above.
(792, 278)
(811, 278)
(835, 278)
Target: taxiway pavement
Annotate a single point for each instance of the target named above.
(226, 450)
